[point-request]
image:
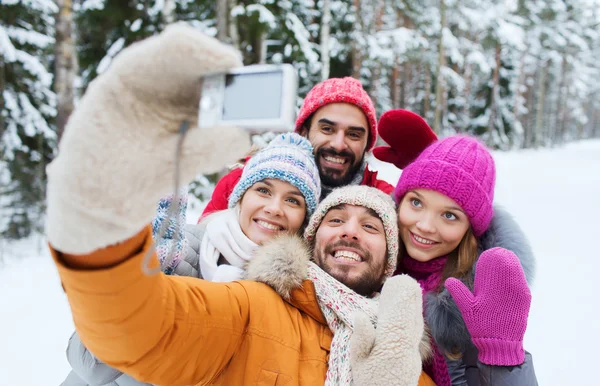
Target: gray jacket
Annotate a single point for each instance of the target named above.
(448, 328)
(90, 371)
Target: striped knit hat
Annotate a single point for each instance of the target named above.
(288, 157)
(367, 197)
(459, 167)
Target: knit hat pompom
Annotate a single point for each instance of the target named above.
(459, 167)
(367, 197)
(340, 90)
(288, 157)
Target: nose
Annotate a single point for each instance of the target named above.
(337, 141)
(350, 230)
(273, 207)
(426, 224)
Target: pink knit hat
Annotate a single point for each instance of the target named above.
(459, 167)
(339, 90)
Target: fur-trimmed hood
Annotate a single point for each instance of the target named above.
(282, 264)
(442, 314)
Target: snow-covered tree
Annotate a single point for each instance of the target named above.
(27, 111)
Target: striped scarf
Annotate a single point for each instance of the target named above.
(338, 304)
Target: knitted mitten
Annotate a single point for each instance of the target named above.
(389, 355)
(407, 135)
(496, 312)
(172, 242)
(117, 155)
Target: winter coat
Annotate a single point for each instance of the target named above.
(89, 370)
(220, 197)
(172, 330)
(448, 328)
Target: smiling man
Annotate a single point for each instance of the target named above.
(339, 119)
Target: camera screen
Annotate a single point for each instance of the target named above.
(253, 96)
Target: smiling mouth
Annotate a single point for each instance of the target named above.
(421, 241)
(347, 257)
(334, 160)
(269, 226)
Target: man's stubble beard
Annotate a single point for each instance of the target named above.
(368, 283)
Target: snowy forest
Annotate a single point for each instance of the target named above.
(516, 73)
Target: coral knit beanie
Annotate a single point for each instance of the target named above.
(339, 90)
(459, 167)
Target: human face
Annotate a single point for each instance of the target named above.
(431, 224)
(270, 207)
(339, 133)
(350, 245)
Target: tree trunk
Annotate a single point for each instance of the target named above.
(541, 99)
(356, 46)
(325, 28)
(376, 73)
(65, 64)
(495, 94)
(234, 35)
(168, 12)
(520, 83)
(2, 87)
(561, 102)
(427, 92)
(439, 88)
(222, 20)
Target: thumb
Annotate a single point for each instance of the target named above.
(362, 339)
(385, 154)
(209, 150)
(460, 293)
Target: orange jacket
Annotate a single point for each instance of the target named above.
(170, 330)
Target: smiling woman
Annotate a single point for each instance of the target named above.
(445, 206)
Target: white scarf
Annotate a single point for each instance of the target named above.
(223, 236)
(338, 304)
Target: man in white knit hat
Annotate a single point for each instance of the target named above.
(296, 322)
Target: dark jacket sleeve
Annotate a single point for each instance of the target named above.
(468, 371)
(522, 375)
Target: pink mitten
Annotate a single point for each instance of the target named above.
(496, 312)
(407, 135)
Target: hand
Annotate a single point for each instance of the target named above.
(496, 312)
(116, 158)
(407, 134)
(389, 355)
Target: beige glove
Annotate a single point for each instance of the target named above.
(117, 155)
(389, 355)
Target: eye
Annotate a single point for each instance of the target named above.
(262, 190)
(416, 202)
(450, 216)
(335, 221)
(293, 201)
(327, 129)
(354, 135)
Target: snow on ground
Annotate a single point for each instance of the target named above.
(553, 194)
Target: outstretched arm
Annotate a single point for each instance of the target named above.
(159, 329)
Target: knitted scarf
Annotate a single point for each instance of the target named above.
(338, 304)
(429, 274)
(356, 180)
(224, 237)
